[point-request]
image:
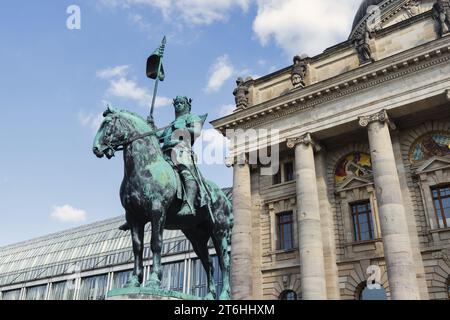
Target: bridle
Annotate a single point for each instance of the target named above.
(120, 146)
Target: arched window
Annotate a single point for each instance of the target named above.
(375, 293)
(288, 295)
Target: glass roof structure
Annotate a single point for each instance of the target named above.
(88, 247)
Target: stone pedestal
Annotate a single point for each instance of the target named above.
(148, 294)
(394, 228)
(312, 273)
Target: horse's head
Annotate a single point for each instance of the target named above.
(117, 129)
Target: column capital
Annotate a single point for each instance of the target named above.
(305, 139)
(381, 116)
(241, 159)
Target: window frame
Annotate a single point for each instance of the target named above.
(438, 188)
(280, 230)
(357, 235)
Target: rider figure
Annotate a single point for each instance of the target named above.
(178, 139)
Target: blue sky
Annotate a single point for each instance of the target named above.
(54, 83)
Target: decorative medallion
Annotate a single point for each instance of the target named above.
(356, 164)
(435, 143)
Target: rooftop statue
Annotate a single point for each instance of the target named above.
(441, 13)
(299, 71)
(241, 94)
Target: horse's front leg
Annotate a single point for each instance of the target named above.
(137, 237)
(155, 278)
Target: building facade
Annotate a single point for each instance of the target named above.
(360, 205)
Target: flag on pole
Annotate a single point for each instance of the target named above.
(155, 68)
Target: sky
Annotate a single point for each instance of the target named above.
(58, 70)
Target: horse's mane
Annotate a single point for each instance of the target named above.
(131, 114)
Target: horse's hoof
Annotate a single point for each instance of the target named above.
(153, 282)
(133, 282)
(209, 296)
(224, 296)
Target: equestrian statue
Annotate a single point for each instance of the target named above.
(162, 185)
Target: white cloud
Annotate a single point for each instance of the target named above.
(121, 86)
(92, 121)
(162, 102)
(303, 26)
(111, 72)
(67, 213)
(198, 12)
(129, 89)
(220, 71)
(226, 110)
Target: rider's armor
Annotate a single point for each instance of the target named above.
(177, 149)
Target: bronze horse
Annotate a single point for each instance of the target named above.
(149, 194)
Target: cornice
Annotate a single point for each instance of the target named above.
(368, 76)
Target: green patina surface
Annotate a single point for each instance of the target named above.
(150, 193)
(150, 292)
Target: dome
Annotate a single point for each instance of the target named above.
(362, 11)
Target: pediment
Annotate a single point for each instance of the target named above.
(353, 183)
(433, 164)
(391, 12)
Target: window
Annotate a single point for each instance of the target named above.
(173, 276)
(63, 290)
(285, 227)
(441, 200)
(284, 174)
(36, 293)
(93, 288)
(199, 278)
(11, 295)
(276, 178)
(120, 279)
(288, 295)
(289, 171)
(362, 221)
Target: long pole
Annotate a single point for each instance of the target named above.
(155, 90)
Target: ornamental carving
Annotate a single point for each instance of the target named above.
(306, 140)
(381, 116)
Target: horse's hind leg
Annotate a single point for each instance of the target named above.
(221, 239)
(137, 237)
(158, 221)
(199, 240)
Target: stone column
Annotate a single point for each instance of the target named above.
(241, 239)
(410, 216)
(312, 270)
(328, 230)
(394, 228)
